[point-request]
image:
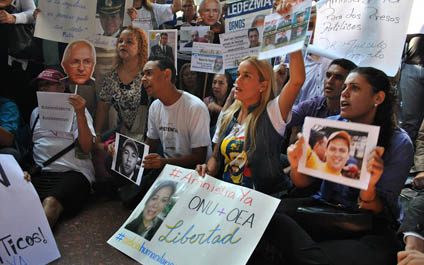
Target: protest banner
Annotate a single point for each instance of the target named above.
(206, 216)
(25, 235)
(347, 146)
(369, 33)
(163, 43)
(189, 35)
(129, 154)
(284, 34)
(68, 20)
(207, 58)
(238, 45)
(245, 14)
(55, 111)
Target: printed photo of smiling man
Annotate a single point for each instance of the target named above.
(127, 159)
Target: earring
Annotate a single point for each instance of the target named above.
(375, 105)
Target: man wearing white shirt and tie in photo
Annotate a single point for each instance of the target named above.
(162, 49)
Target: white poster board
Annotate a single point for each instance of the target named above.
(207, 58)
(69, 20)
(205, 216)
(369, 33)
(128, 157)
(25, 235)
(349, 152)
(245, 14)
(284, 34)
(55, 111)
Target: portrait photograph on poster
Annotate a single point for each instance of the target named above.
(128, 157)
(189, 35)
(337, 151)
(149, 215)
(163, 43)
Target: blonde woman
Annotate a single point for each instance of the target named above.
(122, 87)
(250, 132)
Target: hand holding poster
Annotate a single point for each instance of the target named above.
(206, 216)
(25, 235)
(207, 58)
(285, 33)
(129, 155)
(337, 151)
(369, 33)
(55, 111)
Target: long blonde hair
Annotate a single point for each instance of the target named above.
(142, 46)
(266, 73)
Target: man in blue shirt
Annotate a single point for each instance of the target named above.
(9, 125)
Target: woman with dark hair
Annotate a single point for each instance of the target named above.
(367, 98)
(122, 88)
(147, 222)
(221, 88)
(189, 81)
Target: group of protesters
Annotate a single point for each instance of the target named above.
(243, 130)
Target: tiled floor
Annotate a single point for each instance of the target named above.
(82, 239)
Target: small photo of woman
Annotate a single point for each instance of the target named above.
(156, 208)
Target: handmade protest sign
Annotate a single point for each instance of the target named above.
(55, 111)
(369, 33)
(244, 14)
(97, 21)
(206, 216)
(338, 151)
(207, 58)
(25, 235)
(285, 33)
(163, 43)
(129, 153)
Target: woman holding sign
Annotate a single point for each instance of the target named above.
(250, 132)
(147, 222)
(367, 98)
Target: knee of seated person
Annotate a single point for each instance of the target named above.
(52, 202)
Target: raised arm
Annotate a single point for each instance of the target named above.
(289, 92)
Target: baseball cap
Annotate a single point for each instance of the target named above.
(340, 134)
(50, 75)
(130, 142)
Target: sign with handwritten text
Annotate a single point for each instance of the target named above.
(55, 111)
(25, 235)
(184, 213)
(369, 33)
(68, 20)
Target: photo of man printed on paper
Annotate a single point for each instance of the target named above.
(129, 157)
(336, 152)
(111, 16)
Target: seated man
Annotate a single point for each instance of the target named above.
(9, 125)
(177, 120)
(64, 184)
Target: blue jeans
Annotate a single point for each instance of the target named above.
(411, 87)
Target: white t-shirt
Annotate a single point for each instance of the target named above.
(180, 127)
(274, 113)
(163, 13)
(48, 143)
